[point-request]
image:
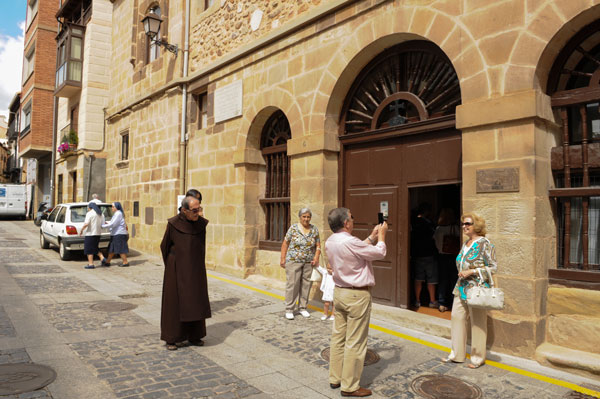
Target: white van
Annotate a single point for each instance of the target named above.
(13, 200)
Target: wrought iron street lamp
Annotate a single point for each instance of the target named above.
(152, 27)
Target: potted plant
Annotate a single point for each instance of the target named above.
(73, 139)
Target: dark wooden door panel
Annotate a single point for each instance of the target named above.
(364, 205)
(384, 171)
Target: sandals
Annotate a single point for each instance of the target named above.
(443, 308)
(197, 343)
(171, 347)
(475, 366)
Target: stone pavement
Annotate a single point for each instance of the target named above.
(99, 330)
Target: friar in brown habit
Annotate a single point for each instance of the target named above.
(185, 304)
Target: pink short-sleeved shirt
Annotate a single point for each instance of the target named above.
(350, 259)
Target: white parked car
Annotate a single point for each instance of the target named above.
(62, 227)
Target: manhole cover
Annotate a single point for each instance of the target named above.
(371, 358)
(113, 306)
(437, 386)
(132, 296)
(19, 378)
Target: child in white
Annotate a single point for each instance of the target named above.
(327, 286)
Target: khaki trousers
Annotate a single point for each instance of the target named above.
(461, 313)
(349, 337)
(298, 285)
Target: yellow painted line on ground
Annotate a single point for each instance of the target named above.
(492, 363)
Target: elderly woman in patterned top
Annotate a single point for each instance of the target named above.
(477, 253)
(299, 254)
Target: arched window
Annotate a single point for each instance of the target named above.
(574, 84)
(410, 82)
(153, 49)
(276, 201)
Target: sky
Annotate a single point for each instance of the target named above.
(12, 24)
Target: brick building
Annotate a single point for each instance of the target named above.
(37, 98)
(485, 106)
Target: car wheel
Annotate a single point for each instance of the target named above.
(43, 243)
(64, 253)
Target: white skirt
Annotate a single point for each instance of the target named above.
(327, 285)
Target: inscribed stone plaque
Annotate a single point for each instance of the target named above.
(228, 101)
(497, 180)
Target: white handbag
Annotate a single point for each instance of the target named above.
(484, 297)
(315, 275)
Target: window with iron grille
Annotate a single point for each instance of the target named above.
(276, 201)
(574, 85)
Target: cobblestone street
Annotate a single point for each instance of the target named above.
(99, 330)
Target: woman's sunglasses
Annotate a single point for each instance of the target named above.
(463, 224)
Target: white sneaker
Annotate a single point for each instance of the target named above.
(304, 313)
(331, 318)
(289, 316)
(324, 317)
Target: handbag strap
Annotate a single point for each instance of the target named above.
(489, 272)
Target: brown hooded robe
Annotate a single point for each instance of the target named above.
(185, 303)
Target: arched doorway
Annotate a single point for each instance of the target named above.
(400, 147)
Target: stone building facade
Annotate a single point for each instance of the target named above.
(83, 49)
(354, 103)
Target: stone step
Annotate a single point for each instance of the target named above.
(574, 331)
(580, 362)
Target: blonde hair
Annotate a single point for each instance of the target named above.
(478, 223)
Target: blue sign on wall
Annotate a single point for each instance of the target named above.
(2, 191)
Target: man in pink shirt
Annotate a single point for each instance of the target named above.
(350, 259)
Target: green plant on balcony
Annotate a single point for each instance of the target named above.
(72, 138)
(68, 143)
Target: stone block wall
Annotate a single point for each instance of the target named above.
(502, 53)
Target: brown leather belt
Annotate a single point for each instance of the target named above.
(366, 288)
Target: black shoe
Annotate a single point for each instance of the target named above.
(335, 386)
(124, 265)
(103, 262)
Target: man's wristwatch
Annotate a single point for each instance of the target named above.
(372, 241)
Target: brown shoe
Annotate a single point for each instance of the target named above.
(360, 392)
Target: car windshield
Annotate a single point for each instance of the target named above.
(78, 212)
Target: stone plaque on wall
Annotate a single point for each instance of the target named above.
(228, 101)
(499, 180)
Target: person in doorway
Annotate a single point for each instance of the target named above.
(300, 252)
(422, 253)
(477, 253)
(93, 225)
(96, 199)
(350, 260)
(447, 242)
(118, 236)
(185, 302)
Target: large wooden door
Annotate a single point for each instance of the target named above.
(384, 170)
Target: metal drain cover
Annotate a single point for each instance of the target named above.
(19, 378)
(438, 386)
(113, 306)
(371, 358)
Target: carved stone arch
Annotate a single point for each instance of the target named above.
(262, 107)
(415, 80)
(582, 17)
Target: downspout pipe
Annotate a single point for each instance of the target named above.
(183, 138)
(53, 154)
